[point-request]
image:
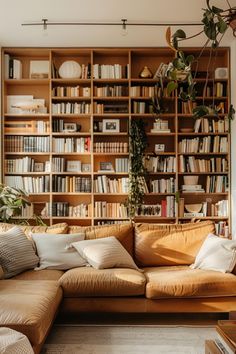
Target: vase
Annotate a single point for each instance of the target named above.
(146, 73)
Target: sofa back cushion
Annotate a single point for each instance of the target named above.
(123, 232)
(165, 245)
(60, 228)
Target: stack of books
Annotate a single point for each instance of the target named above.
(192, 188)
(226, 336)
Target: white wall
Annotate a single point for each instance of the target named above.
(233, 137)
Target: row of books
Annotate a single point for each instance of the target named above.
(104, 184)
(217, 184)
(160, 164)
(222, 228)
(111, 147)
(25, 164)
(219, 89)
(64, 209)
(111, 91)
(167, 208)
(103, 209)
(204, 145)
(139, 107)
(60, 164)
(192, 164)
(71, 184)
(204, 125)
(100, 108)
(163, 185)
(71, 108)
(64, 145)
(71, 91)
(29, 184)
(122, 165)
(12, 67)
(27, 143)
(110, 71)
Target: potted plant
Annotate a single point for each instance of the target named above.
(12, 200)
(215, 22)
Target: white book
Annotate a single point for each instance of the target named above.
(17, 69)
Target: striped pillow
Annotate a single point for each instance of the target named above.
(105, 252)
(16, 252)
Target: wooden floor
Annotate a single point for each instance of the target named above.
(200, 319)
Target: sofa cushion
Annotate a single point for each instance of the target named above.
(55, 252)
(106, 252)
(1, 273)
(164, 245)
(216, 253)
(182, 281)
(16, 252)
(28, 308)
(87, 281)
(60, 228)
(44, 274)
(123, 232)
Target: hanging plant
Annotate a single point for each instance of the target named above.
(138, 145)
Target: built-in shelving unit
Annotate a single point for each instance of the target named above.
(70, 148)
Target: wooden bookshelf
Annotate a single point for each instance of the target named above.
(110, 88)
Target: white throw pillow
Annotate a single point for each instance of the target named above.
(55, 252)
(216, 253)
(104, 253)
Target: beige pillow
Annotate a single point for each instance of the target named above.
(217, 254)
(60, 228)
(55, 252)
(105, 253)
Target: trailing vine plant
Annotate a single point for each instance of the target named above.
(138, 144)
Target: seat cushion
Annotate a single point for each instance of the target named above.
(44, 274)
(164, 245)
(123, 232)
(182, 281)
(28, 308)
(87, 281)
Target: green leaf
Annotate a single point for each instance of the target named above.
(216, 10)
(171, 86)
(222, 25)
(179, 34)
(210, 31)
(200, 111)
(189, 59)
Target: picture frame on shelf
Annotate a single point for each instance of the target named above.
(111, 126)
(73, 166)
(85, 167)
(70, 127)
(159, 147)
(106, 167)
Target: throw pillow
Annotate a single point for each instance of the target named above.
(105, 253)
(55, 252)
(16, 252)
(216, 253)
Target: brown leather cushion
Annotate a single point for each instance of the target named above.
(181, 281)
(44, 274)
(29, 307)
(123, 232)
(87, 281)
(164, 245)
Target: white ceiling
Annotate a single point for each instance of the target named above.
(14, 12)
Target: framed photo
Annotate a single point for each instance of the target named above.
(159, 147)
(85, 167)
(73, 166)
(70, 127)
(110, 125)
(106, 167)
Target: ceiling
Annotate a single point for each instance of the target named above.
(13, 13)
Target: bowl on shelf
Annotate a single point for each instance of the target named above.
(191, 180)
(193, 208)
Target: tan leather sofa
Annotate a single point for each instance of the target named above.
(30, 300)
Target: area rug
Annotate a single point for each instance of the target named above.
(127, 339)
